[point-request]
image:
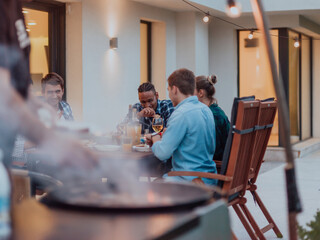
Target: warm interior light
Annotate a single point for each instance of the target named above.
(250, 36)
(205, 18)
(28, 30)
(233, 9)
(296, 43)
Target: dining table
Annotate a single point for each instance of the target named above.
(145, 163)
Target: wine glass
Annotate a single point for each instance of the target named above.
(157, 124)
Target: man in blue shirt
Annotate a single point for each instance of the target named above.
(150, 105)
(190, 134)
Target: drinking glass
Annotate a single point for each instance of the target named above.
(126, 143)
(157, 124)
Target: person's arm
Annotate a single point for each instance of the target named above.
(167, 111)
(146, 112)
(171, 139)
(15, 114)
(14, 111)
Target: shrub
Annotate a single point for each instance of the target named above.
(312, 232)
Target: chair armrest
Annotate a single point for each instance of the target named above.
(201, 174)
(218, 164)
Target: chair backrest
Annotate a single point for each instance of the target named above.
(226, 152)
(267, 113)
(236, 161)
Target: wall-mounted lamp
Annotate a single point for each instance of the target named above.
(113, 43)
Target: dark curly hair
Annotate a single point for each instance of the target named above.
(146, 87)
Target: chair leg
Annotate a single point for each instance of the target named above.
(267, 215)
(244, 222)
(253, 223)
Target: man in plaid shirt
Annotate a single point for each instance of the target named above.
(52, 90)
(150, 105)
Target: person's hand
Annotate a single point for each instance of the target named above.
(64, 151)
(155, 138)
(146, 112)
(149, 139)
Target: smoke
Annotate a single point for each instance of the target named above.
(121, 170)
(64, 157)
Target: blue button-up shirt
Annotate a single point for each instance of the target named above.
(189, 139)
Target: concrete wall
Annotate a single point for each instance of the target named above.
(316, 88)
(74, 58)
(201, 46)
(111, 76)
(185, 26)
(223, 62)
(192, 42)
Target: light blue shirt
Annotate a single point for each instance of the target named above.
(189, 139)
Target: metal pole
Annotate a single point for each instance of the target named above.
(294, 205)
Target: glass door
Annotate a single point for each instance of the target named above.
(254, 71)
(45, 22)
(296, 67)
(37, 27)
(294, 87)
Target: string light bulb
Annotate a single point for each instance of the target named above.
(233, 9)
(250, 36)
(206, 18)
(296, 43)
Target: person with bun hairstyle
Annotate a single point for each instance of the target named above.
(205, 91)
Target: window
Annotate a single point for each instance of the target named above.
(37, 27)
(47, 35)
(254, 73)
(295, 65)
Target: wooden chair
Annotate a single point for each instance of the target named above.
(236, 162)
(268, 110)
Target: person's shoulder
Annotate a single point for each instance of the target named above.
(219, 113)
(65, 106)
(216, 109)
(64, 103)
(166, 102)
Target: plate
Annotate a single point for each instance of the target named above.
(142, 149)
(107, 148)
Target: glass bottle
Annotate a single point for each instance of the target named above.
(134, 128)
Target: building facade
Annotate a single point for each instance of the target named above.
(102, 82)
